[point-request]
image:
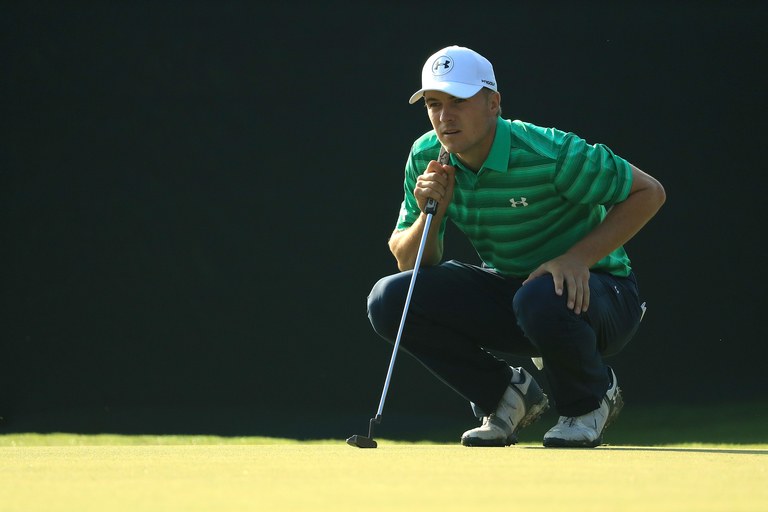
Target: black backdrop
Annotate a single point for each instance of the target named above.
(196, 198)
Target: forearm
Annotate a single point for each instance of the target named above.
(404, 244)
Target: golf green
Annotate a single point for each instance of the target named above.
(335, 477)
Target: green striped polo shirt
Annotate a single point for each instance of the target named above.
(539, 192)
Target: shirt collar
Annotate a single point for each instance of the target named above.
(498, 158)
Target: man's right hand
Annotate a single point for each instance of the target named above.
(436, 183)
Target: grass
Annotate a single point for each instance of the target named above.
(664, 458)
(63, 472)
(63, 439)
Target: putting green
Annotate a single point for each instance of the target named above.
(422, 477)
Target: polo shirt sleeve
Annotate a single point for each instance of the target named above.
(409, 208)
(590, 173)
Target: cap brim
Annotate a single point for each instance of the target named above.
(453, 88)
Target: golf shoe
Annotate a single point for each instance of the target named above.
(586, 431)
(522, 404)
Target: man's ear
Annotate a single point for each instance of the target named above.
(494, 100)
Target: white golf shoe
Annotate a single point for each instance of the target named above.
(522, 404)
(586, 431)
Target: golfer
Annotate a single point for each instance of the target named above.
(548, 215)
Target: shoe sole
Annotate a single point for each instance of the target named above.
(476, 442)
(555, 442)
(536, 411)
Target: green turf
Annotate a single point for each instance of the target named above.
(61, 439)
(85, 440)
(663, 458)
(63, 473)
(65, 439)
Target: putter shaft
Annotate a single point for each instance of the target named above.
(430, 210)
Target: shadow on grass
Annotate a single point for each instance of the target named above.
(745, 451)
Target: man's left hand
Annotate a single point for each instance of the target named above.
(570, 273)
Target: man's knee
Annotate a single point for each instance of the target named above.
(385, 304)
(539, 310)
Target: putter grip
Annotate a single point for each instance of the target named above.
(444, 159)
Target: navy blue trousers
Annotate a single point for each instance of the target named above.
(459, 312)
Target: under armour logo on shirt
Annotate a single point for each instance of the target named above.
(515, 203)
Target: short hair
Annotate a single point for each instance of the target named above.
(488, 92)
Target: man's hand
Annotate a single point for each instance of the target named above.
(567, 271)
(436, 183)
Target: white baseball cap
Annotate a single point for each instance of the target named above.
(457, 71)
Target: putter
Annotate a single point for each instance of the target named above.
(430, 209)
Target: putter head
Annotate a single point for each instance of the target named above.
(362, 441)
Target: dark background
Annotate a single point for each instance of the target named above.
(196, 198)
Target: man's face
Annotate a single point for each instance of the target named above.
(464, 126)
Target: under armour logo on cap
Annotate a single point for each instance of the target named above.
(442, 65)
(457, 71)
